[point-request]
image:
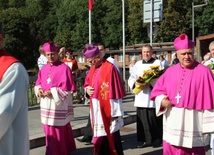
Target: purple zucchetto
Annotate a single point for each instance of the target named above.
(182, 42)
(49, 47)
(91, 50)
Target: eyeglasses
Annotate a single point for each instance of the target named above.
(68, 53)
(91, 60)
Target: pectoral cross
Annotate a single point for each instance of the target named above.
(48, 80)
(178, 98)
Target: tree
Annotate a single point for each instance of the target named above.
(176, 20)
(72, 30)
(3, 4)
(16, 3)
(204, 22)
(108, 28)
(136, 29)
(29, 23)
(17, 41)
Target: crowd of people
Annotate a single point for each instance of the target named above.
(174, 111)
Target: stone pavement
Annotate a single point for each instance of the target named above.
(128, 132)
(81, 113)
(129, 142)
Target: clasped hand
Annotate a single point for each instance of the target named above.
(43, 94)
(166, 103)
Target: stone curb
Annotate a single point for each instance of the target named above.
(40, 141)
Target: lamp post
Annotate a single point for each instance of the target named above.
(151, 21)
(193, 26)
(124, 59)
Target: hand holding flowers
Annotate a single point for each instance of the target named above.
(148, 75)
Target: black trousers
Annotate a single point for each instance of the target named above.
(88, 130)
(149, 127)
(104, 149)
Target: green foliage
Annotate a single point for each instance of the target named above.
(16, 3)
(72, 29)
(29, 23)
(3, 4)
(63, 38)
(175, 20)
(137, 30)
(204, 19)
(112, 24)
(17, 38)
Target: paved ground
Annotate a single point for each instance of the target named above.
(128, 132)
(128, 135)
(81, 113)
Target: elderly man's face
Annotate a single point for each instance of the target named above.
(51, 56)
(94, 61)
(186, 57)
(1, 40)
(212, 50)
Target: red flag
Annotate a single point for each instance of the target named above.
(90, 4)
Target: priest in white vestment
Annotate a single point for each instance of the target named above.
(206, 63)
(149, 127)
(14, 135)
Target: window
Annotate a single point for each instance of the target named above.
(132, 55)
(80, 58)
(120, 57)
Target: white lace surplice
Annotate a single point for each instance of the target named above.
(186, 127)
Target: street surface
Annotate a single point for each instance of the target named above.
(128, 132)
(128, 136)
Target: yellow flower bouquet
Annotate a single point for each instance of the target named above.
(148, 75)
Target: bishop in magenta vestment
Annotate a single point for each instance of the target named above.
(189, 119)
(57, 109)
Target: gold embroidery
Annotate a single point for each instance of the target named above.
(104, 90)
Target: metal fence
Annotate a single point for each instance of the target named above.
(32, 100)
(78, 95)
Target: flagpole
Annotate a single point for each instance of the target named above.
(89, 13)
(151, 22)
(124, 60)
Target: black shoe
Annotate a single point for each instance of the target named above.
(88, 143)
(84, 139)
(157, 143)
(143, 145)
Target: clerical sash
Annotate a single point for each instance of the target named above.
(6, 60)
(105, 107)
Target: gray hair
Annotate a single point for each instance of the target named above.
(211, 44)
(41, 49)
